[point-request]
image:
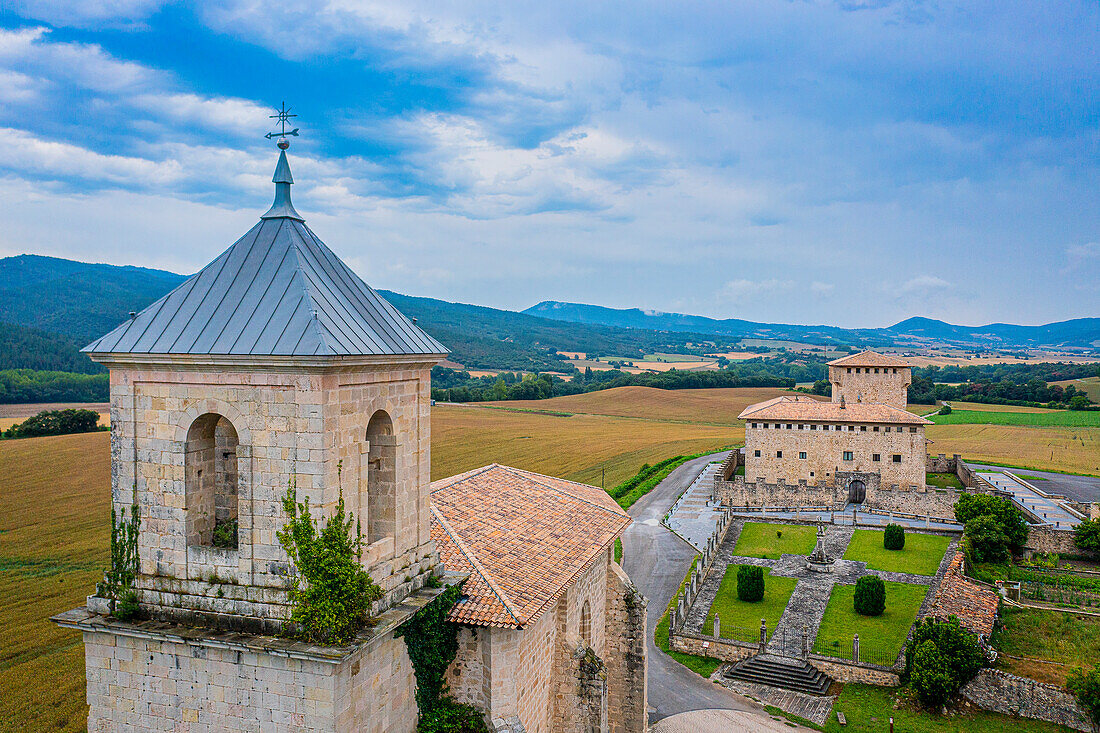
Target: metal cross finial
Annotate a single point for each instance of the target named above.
(283, 116)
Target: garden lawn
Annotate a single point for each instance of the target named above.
(943, 480)
(868, 708)
(1054, 636)
(741, 620)
(761, 540)
(880, 637)
(920, 556)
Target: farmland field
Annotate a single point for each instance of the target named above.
(982, 407)
(1073, 450)
(1049, 418)
(1088, 385)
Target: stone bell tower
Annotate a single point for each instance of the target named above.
(274, 365)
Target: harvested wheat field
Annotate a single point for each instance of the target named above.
(1072, 450)
(578, 447)
(714, 406)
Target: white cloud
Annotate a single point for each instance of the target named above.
(23, 151)
(820, 288)
(240, 116)
(1086, 251)
(86, 65)
(923, 284)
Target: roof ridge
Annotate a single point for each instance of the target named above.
(307, 290)
(469, 555)
(562, 491)
(459, 477)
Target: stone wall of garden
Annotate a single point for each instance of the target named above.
(845, 671)
(1005, 693)
(707, 646)
(1048, 539)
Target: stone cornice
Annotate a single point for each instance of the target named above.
(296, 364)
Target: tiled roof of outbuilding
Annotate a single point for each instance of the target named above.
(278, 291)
(973, 604)
(523, 538)
(869, 359)
(801, 407)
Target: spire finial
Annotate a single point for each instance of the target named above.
(282, 116)
(282, 207)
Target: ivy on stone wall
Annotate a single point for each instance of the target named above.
(331, 592)
(432, 642)
(118, 580)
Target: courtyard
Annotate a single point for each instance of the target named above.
(803, 607)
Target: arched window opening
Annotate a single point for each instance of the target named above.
(210, 476)
(381, 501)
(586, 624)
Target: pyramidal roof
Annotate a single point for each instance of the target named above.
(278, 291)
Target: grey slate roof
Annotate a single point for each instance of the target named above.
(278, 291)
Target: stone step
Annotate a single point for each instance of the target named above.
(782, 672)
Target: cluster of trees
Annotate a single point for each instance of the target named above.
(940, 657)
(994, 528)
(28, 348)
(1003, 384)
(1086, 535)
(29, 385)
(55, 422)
(449, 385)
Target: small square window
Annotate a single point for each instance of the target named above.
(863, 428)
(897, 458)
(811, 473)
(876, 370)
(789, 426)
(848, 455)
(876, 457)
(849, 370)
(779, 454)
(813, 427)
(802, 454)
(756, 454)
(754, 425)
(875, 429)
(912, 430)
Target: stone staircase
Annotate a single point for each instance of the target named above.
(782, 672)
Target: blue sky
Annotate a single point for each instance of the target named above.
(853, 163)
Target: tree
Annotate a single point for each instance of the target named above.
(958, 656)
(1009, 519)
(870, 596)
(946, 409)
(894, 537)
(988, 542)
(1085, 686)
(1079, 402)
(1087, 535)
(822, 387)
(750, 583)
(930, 678)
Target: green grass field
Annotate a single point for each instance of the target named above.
(740, 620)
(1054, 418)
(1066, 639)
(921, 555)
(868, 709)
(769, 541)
(880, 637)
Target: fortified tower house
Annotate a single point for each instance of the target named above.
(274, 365)
(871, 377)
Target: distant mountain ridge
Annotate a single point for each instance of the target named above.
(1079, 332)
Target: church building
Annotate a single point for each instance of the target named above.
(863, 438)
(276, 366)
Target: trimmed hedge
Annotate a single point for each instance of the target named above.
(870, 596)
(750, 583)
(894, 537)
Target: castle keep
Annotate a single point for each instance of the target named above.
(855, 449)
(277, 367)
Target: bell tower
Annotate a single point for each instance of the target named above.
(273, 365)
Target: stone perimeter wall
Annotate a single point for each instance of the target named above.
(1001, 692)
(922, 501)
(146, 684)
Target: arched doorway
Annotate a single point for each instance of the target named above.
(210, 477)
(857, 492)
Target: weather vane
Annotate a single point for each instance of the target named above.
(283, 116)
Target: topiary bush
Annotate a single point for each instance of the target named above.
(870, 596)
(894, 537)
(957, 657)
(1085, 686)
(750, 583)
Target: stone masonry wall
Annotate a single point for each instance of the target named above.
(627, 673)
(920, 500)
(707, 646)
(1048, 539)
(1001, 692)
(859, 673)
(824, 446)
(888, 386)
(307, 425)
(146, 684)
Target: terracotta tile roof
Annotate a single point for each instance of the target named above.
(523, 538)
(800, 407)
(869, 359)
(958, 595)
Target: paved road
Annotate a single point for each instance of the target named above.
(1076, 488)
(656, 561)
